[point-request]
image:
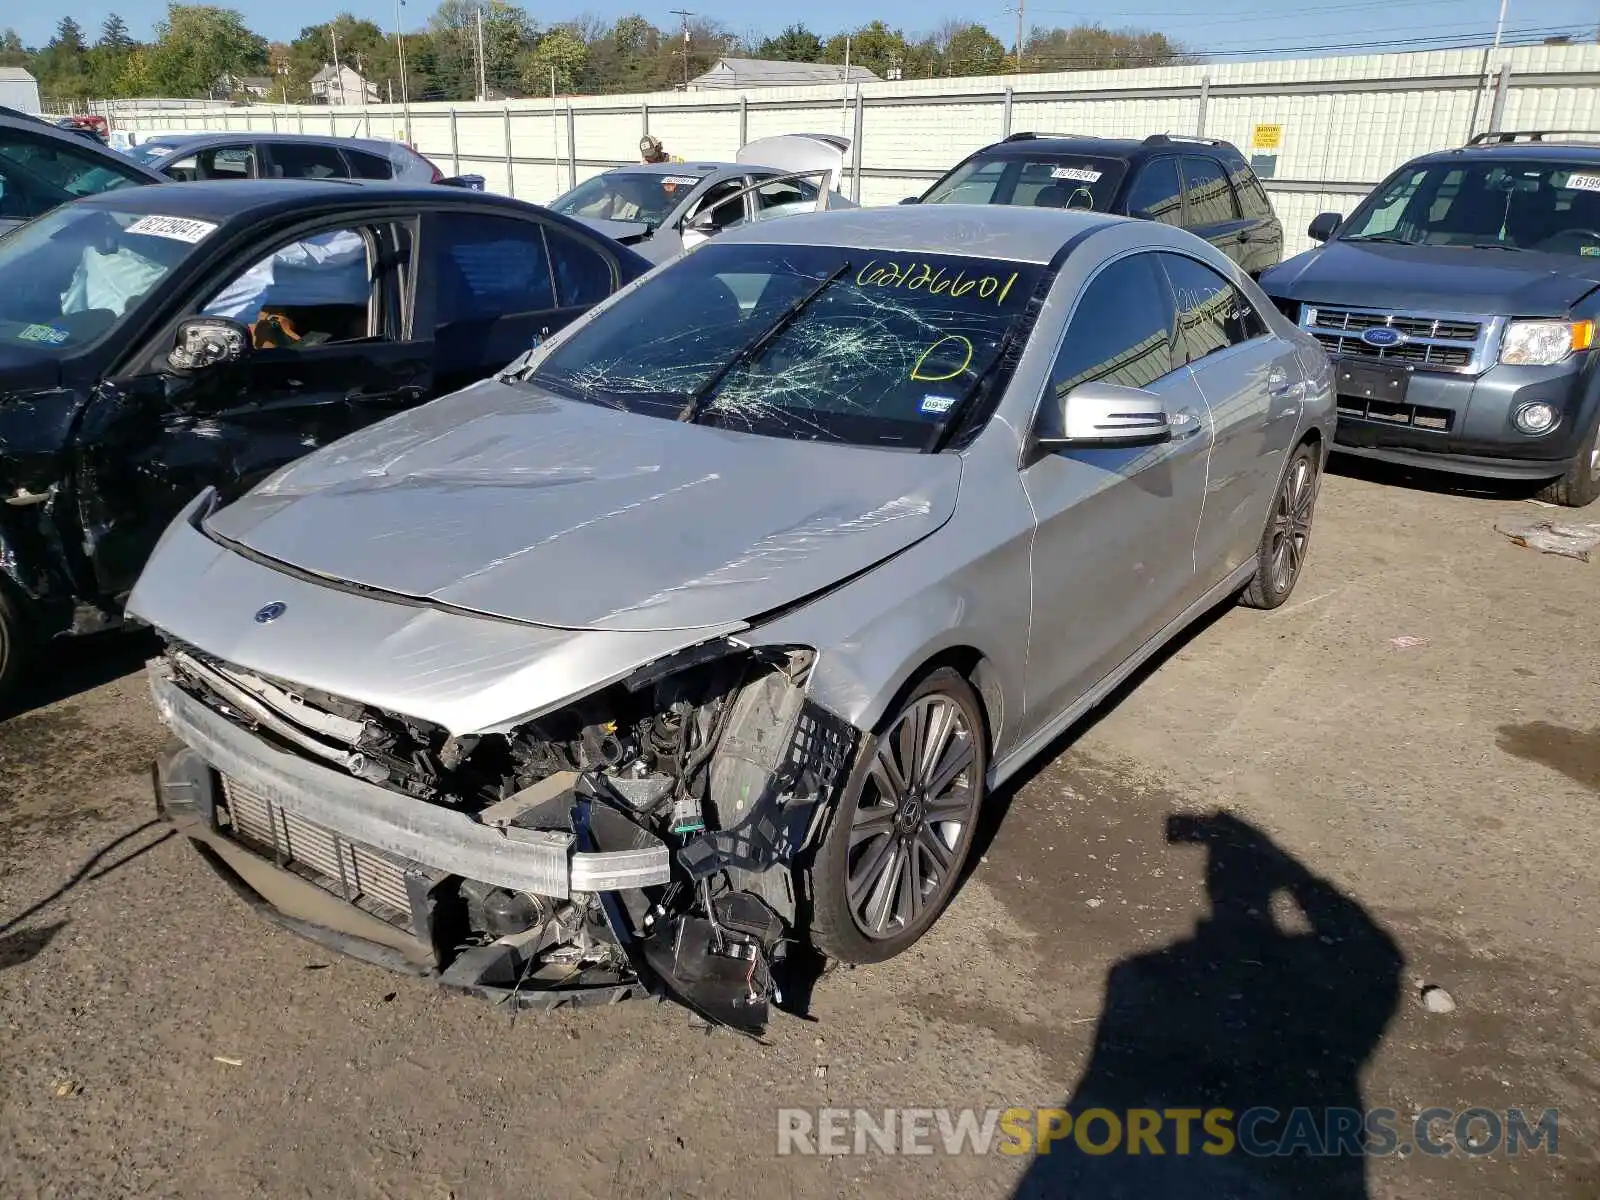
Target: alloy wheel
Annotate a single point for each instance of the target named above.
(1291, 524)
(917, 804)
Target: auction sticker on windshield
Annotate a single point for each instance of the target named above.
(682, 180)
(177, 229)
(1080, 174)
(1584, 183)
(48, 334)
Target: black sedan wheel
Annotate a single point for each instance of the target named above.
(903, 826)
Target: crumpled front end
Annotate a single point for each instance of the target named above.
(642, 839)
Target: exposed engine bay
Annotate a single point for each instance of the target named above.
(698, 782)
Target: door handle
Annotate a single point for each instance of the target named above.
(409, 394)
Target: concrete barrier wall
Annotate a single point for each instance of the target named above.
(1344, 123)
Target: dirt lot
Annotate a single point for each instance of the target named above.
(1435, 804)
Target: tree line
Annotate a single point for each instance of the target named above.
(205, 51)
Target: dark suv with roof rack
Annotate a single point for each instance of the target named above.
(1459, 304)
(1199, 184)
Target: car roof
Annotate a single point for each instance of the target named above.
(1006, 232)
(201, 138)
(251, 199)
(682, 168)
(1034, 145)
(1574, 152)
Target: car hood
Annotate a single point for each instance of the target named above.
(627, 232)
(1435, 278)
(511, 502)
(24, 369)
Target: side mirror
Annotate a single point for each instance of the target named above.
(205, 342)
(698, 229)
(472, 183)
(1108, 414)
(1323, 225)
(911, 200)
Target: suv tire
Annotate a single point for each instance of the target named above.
(1580, 486)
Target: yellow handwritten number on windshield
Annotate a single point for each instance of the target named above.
(964, 346)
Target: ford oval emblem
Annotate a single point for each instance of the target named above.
(268, 613)
(1383, 337)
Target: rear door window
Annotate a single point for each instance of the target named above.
(1212, 314)
(487, 267)
(1156, 194)
(1253, 202)
(1208, 193)
(306, 160)
(584, 275)
(369, 166)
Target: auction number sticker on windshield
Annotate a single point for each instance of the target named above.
(48, 334)
(177, 229)
(682, 180)
(1081, 174)
(1584, 183)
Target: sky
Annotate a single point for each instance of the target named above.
(1242, 29)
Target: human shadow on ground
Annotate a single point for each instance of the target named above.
(1256, 1011)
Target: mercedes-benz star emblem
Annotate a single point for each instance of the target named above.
(270, 612)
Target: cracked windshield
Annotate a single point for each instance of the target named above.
(865, 346)
(645, 196)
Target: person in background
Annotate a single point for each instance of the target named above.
(652, 151)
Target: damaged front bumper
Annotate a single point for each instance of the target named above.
(551, 897)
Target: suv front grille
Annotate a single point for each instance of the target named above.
(1428, 342)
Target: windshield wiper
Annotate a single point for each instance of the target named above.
(697, 401)
(943, 432)
(1381, 237)
(1498, 246)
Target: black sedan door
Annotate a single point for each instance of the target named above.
(328, 310)
(495, 283)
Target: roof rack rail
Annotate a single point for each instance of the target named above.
(1156, 139)
(1029, 135)
(1504, 137)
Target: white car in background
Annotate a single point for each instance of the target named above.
(661, 209)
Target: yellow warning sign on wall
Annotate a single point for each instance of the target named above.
(1266, 137)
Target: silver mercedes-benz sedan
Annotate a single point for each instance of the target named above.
(706, 628)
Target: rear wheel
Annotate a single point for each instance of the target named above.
(1284, 541)
(1581, 484)
(902, 828)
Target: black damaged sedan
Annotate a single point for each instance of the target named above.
(158, 340)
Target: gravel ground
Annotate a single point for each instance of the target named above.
(1430, 803)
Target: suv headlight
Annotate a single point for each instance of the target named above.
(1544, 343)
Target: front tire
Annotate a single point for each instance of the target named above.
(1282, 551)
(1580, 486)
(902, 827)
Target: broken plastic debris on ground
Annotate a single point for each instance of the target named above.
(1566, 538)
